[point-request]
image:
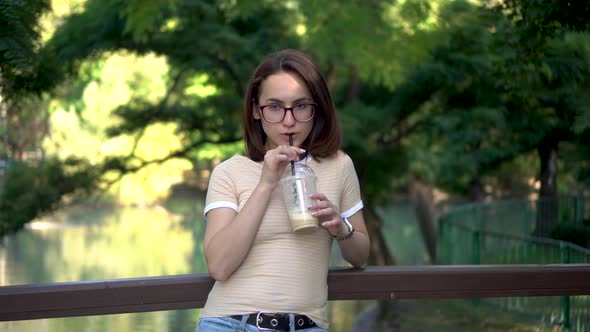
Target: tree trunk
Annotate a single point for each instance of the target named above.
(475, 190)
(387, 311)
(422, 198)
(547, 151)
(387, 317)
(354, 90)
(380, 254)
(547, 208)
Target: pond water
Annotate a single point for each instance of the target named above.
(93, 243)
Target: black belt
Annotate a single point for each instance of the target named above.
(276, 321)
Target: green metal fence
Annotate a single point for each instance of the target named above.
(515, 232)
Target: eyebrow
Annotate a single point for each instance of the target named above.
(298, 100)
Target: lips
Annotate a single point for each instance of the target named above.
(287, 137)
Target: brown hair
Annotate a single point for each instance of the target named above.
(325, 137)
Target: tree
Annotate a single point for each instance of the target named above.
(19, 41)
(477, 122)
(201, 40)
(33, 188)
(528, 41)
(226, 42)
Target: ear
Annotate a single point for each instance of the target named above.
(255, 111)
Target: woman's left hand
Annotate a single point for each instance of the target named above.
(327, 214)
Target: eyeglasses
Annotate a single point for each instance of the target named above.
(275, 113)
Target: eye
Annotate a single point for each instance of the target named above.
(301, 107)
(275, 107)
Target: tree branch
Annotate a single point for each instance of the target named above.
(182, 153)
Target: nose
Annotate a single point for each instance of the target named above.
(289, 119)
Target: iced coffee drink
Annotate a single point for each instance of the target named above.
(297, 183)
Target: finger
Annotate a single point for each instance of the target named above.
(283, 153)
(326, 213)
(295, 152)
(319, 196)
(275, 161)
(324, 204)
(292, 151)
(318, 205)
(283, 150)
(283, 157)
(331, 224)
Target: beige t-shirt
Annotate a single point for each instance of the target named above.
(284, 271)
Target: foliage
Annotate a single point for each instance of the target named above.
(523, 29)
(223, 49)
(19, 40)
(474, 122)
(226, 40)
(19, 43)
(378, 131)
(535, 21)
(24, 127)
(32, 189)
(439, 90)
(142, 16)
(139, 166)
(376, 163)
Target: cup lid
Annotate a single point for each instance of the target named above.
(300, 170)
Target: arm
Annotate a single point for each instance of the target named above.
(230, 235)
(355, 249)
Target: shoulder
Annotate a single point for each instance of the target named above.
(233, 166)
(339, 162)
(338, 158)
(235, 162)
(342, 156)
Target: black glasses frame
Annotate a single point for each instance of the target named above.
(285, 109)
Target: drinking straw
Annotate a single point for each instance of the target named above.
(292, 162)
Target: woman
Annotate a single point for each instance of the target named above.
(268, 276)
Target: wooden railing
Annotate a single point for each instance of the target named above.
(190, 291)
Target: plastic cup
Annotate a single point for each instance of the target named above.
(296, 185)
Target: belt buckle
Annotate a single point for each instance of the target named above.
(259, 319)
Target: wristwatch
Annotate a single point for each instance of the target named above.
(350, 230)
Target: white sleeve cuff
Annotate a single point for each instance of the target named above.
(216, 205)
(352, 210)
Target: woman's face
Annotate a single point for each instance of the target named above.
(285, 90)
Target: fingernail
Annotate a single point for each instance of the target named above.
(314, 213)
(309, 206)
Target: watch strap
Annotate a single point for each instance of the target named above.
(350, 231)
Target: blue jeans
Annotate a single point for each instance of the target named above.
(228, 324)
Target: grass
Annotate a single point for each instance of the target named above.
(463, 315)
